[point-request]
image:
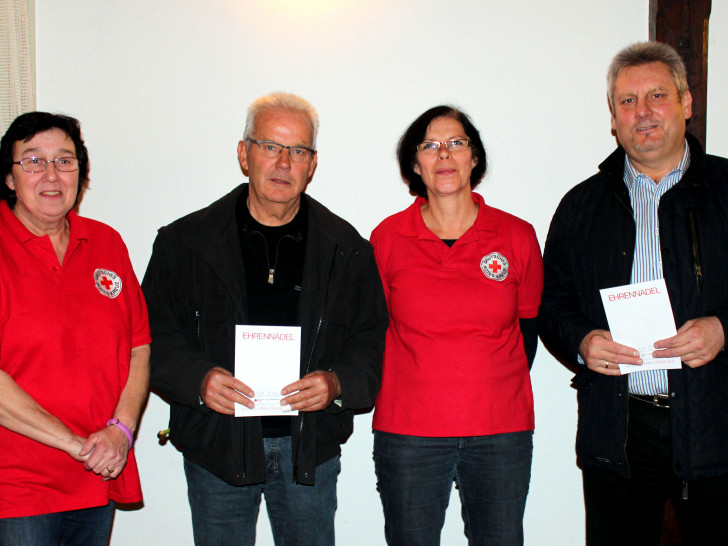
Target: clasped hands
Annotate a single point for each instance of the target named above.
(314, 391)
(696, 343)
(104, 452)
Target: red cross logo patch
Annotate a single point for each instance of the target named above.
(494, 266)
(107, 282)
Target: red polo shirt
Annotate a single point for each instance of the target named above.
(66, 334)
(454, 362)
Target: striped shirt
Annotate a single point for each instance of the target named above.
(645, 196)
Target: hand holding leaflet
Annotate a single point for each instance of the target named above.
(639, 315)
(267, 358)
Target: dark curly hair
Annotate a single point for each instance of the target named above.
(415, 133)
(24, 128)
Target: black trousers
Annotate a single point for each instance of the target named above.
(629, 511)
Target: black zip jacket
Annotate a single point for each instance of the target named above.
(590, 246)
(195, 291)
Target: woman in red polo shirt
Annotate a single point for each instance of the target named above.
(463, 283)
(74, 346)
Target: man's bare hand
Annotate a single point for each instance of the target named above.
(603, 355)
(316, 390)
(220, 390)
(697, 342)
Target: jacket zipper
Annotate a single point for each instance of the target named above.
(308, 363)
(626, 434)
(318, 332)
(695, 243)
(272, 270)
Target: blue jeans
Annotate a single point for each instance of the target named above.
(300, 515)
(85, 527)
(415, 475)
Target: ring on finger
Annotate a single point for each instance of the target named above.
(606, 364)
(109, 470)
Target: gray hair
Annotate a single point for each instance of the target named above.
(645, 53)
(282, 101)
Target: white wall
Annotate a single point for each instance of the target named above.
(161, 89)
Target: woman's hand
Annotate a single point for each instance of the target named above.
(73, 446)
(20, 413)
(105, 452)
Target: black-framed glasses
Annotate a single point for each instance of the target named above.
(34, 164)
(268, 148)
(431, 147)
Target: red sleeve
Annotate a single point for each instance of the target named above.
(531, 285)
(381, 251)
(140, 332)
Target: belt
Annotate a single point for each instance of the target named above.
(656, 400)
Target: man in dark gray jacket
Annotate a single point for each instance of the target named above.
(265, 254)
(658, 208)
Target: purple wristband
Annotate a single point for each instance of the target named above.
(114, 421)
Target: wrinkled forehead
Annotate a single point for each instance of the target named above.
(656, 73)
(283, 119)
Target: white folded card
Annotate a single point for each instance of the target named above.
(267, 358)
(640, 314)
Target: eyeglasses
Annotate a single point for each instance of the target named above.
(37, 165)
(431, 147)
(298, 154)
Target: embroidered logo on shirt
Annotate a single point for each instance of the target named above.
(107, 282)
(495, 266)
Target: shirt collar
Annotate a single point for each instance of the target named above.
(414, 225)
(23, 234)
(297, 227)
(673, 177)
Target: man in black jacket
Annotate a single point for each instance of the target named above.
(265, 254)
(658, 208)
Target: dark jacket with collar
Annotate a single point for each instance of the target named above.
(590, 246)
(195, 291)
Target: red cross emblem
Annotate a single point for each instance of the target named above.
(107, 283)
(494, 266)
